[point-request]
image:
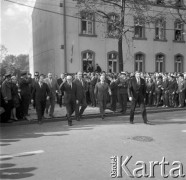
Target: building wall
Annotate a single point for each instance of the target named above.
(48, 36)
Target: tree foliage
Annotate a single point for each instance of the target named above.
(14, 64)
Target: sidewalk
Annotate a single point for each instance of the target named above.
(90, 112)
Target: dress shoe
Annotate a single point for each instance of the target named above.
(131, 122)
(102, 117)
(70, 123)
(148, 122)
(78, 118)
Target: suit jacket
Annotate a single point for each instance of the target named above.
(24, 85)
(70, 94)
(101, 91)
(114, 88)
(52, 86)
(6, 90)
(173, 86)
(158, 86)
(122, 85)
(40, 93)
(81, 88)
(150, 87)
(182, 86)
(135, 90)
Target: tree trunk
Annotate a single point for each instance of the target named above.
(120, 55)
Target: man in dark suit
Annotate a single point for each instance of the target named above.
(181, 90)
(34, 81)
(70, 96)
(24, 86)
(59, 96)
(136, 93)
(101, 93)
(122, 83)
(54, 87)
(82, 88)
(40, 93)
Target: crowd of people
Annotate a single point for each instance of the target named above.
(77, 91)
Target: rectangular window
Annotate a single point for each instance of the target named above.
(139, 29)
(178, 31)
(87, 23)
(160, 30)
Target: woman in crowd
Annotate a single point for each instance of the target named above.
(15, 97)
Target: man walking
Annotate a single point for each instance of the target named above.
(40, 94)
(101, 93)
(53, 86)
(82, 88)
(137, 92)
(70, 96)
(24, 86)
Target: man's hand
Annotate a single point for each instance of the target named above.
(77, 102)
(48, 98)
(130, 98)
(32, 101)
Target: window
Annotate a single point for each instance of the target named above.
(87, 23)
(178, 63)
(112, 62)
(111, 25)
(160, 63)
(139, 28)
(160, 29)
(139, 62)
(87, 58)
(178, 26)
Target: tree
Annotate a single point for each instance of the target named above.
(3, 52)
(13, 64)
(144, 10)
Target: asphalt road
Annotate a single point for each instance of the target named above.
(55, 151)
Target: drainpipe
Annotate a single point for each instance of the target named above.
(64, 33)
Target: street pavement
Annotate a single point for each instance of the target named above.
(90, 112)
(55, 151)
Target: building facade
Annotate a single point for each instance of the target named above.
(67, 39)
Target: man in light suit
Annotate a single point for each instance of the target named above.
(40, 94)
(101, 93)
(54, 87)
(136, 93)
(70, 96)
(82, 88)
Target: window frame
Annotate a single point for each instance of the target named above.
(110, 24)
(87, 21)
(92, 60)
(163, 61)
(143, 61)
(138, 23)
(161, 26)
(182, 63)
(113, 60)
(178, 29)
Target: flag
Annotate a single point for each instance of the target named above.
(72, 52)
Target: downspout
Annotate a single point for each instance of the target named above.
(65, 40)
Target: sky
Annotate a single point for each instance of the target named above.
(16, 26)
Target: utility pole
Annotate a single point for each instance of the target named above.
(120, 40)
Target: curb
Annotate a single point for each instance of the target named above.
(91, 116)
